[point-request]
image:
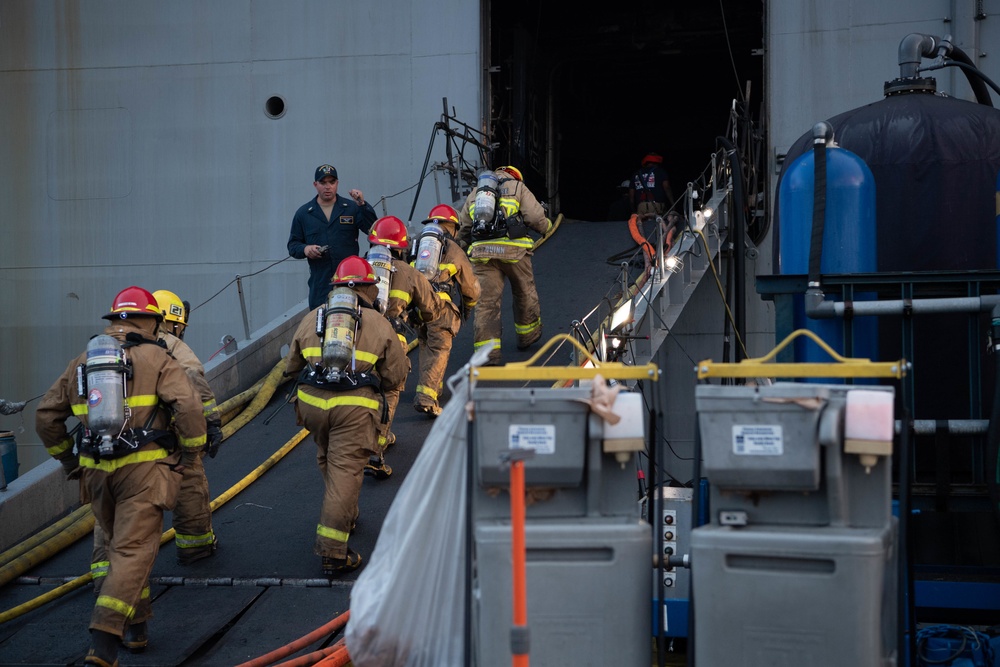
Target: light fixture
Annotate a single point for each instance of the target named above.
(621, 316)
(673, 264)
(708, 211)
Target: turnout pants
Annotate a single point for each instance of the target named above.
(193, 514)
(527, 311)
(345, 437)
(391, 402)
(435, 341)
(128, 505)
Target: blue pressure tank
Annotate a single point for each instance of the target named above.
(849, 244)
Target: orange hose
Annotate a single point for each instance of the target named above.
(647, 247)
(300, 643)
(338, 658)
(518, 554)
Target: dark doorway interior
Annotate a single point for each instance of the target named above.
(622, 81)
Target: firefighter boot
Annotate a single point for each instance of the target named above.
(188, 556)
(529, 339)
(377, 467)
(135, 639)
(427, 405)
(103, 649)
(334, 567)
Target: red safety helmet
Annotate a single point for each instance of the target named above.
(513, 171)
(133, 301)
(354, 270)
(653, 158)
(443, 213)
(389, 231)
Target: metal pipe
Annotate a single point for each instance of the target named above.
(243, 307)
(817, 308)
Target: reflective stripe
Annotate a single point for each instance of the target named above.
(527, 328)
(366, 356)
(401, 338)
(479, 344)
(111, 465)
(510, 205)
(421, 389)
(116, 605)
(194, 541)
(145, 593)
(63, 447)
(139, 401)
(314, 352)
(192, 443)
(523, 242)
(327, 403)
(331, 533)
(400, 294)
(450, 268)
(471, 304)
(444, 296)
(99, 569)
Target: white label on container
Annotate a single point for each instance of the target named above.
(758, 440)
(540, 437)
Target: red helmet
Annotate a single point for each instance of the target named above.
(134, 301)
(653, 158)
(513, 171)
(444, 213)
(389, 231)
(354, 270)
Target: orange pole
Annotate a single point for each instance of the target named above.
(519, 642)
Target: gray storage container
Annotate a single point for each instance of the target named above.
(822, 597)
(587, 587)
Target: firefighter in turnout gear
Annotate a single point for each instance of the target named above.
(458, 290)
(192, 518)
(140, 424)
(494, 224)
(409, 301)
(344, 353)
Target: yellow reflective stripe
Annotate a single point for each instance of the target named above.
(450, 268)
(192, 443)
(327, 403)
(111, 465)
(527, 328)
(79, 409)
(401, 337)
(479, 344)
(63, 447)
(400, 294)
(471, 304)
(145, 593)
(194, 541)
(522, 242)
(332, 533)
(99, 569)
(444, 296)
(142, 400)
(421, 389)
(314, 352)
(366, 356)
(510, 205)
(116, 605)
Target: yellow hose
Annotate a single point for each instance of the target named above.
(255, 474)
(38, 548)
(43, 535)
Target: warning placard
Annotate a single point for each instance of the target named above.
(758, 440)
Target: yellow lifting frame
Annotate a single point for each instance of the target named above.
(524, 370)
(843, 367)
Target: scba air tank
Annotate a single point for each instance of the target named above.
(380, 258)
(340, 320)
(105, 371)
(429, 249)
(849, 241)
(487, 186)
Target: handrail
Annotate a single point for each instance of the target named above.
(843, 367)
(524, 371)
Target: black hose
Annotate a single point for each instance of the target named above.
(739, 244)
(975, 77)
(821, 132)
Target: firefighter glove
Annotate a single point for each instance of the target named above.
(214, 438)
(466, 312)
(71, 466)
(188, 458)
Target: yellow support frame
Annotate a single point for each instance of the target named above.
(522, 371)
(843, 367)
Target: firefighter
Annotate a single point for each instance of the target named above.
(126, 391)
(409, 300)
(341, 372)
(192, 518)
(457, 286)
(494, 224)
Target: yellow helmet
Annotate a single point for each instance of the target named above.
(172, 307)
